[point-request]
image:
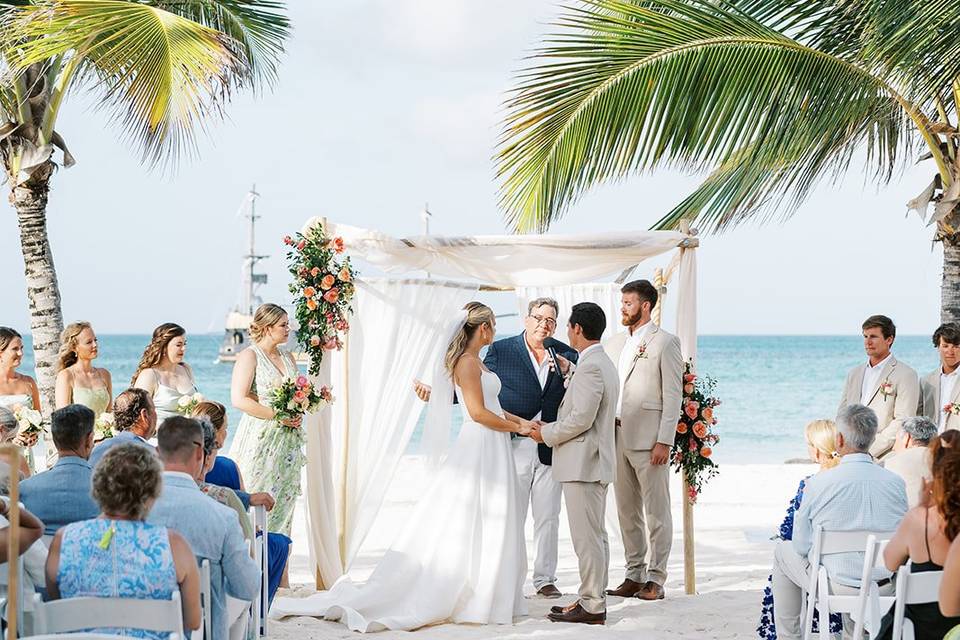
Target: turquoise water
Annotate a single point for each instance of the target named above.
(771, 386)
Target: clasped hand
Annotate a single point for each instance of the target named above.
(531, 428)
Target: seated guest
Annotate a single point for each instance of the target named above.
(119, 555)
(947, 498)
(135, 420)
(211, 528)
(31, 549)
(921, 539)
(856, 495)
(62, 494)
(821, 438)
(8, 433)
(910, 458)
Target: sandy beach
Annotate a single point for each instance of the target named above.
(735, 518)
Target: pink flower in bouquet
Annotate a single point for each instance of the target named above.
(287, 240)
(681, 427)
(699, 429)
(299, 395)
(693, 445)
(345, 274)
(688, 388)
(689, 377)
(692, 492)
(315, 340)
(331, 344)
(332, 296)
(691, 409)
(340, 325)
(301, 245)
(315, 272)
(302, 381)
(327, 282)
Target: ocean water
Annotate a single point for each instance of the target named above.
(770, 386)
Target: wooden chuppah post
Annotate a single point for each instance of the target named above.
(345, 458)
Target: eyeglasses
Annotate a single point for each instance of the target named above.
(545, 320)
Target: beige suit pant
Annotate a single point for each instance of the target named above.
(643, 506)
(586, 504)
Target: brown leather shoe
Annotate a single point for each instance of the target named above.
(549, 591)
(564, 609)
(628, 589)
(651, 591)
(579, 615)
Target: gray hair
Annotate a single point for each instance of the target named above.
(8, 424)
(858, 424)
(539, 302)
(920, 428)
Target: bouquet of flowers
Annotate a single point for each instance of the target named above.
(294, 397)
(29, 420)
(187, 403)
(103, 427)
(694, 440)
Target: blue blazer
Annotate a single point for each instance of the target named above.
(520, 392)
(61, 495)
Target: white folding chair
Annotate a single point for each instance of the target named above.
(913, 588)
(206, 606)
(818, 596)
(259, 516)
(75, 614)
(83, 636)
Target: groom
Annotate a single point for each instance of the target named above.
(584, 453)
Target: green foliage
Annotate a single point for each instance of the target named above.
(694, 439)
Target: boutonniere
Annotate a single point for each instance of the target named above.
(886, 389)
(952, 409)
(641, 352)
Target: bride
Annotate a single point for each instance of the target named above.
(461, 557)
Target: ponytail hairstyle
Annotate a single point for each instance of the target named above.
(68, 344)
(213, 411)
(822, 436)
(945, 468)
(265, 317)
(7, 336)
(478, 314)
(153, 354)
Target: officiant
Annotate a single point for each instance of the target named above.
(532, 389)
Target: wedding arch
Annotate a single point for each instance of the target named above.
(354, 446)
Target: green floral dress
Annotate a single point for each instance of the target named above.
(270, 455)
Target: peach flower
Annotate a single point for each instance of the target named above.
(345, 274)
(681, 427)
(706, 452)
(699, 429)
(309, 292)
(332, 296)
(315, 340)
(327, 282)
(707, 414)
(691, 409)
(688, 388)
(315, 271)
(311, 304)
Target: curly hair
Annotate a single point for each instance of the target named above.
(153, 354)
(945, 467)
(68, 344)
(265, 317)
(127, 480)
(6, 337)
(128, 405)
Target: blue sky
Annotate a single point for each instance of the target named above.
(383, 105)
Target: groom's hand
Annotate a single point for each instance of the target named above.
(660, 454)
(535, 433)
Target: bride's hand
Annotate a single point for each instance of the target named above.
(525, 427)
(293, 423)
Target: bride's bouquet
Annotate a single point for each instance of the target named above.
(29, 420)
(296, 396)
(187, 403)
(104, 426)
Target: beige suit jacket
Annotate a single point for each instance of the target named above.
(652, 391)
(913, 465)
(903, 402)
(932, 403)
(583, 437)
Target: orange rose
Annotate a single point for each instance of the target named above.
(327, 282)
(311, 304)
(315, 271)
(689, 377)
(681, 427)
(706, 452)
(331, 296)
(309, 292)
(707, 414)
(699, 429)
(345, 274)
(691, 409)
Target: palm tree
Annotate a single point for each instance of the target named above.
(767, 97)
(163, 69)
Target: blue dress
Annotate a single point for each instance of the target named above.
(767, 630)
(138, 563)
(224, 473)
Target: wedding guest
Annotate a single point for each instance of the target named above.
(821, 436)
(8, 434)
(30, 531)
(135, 420)
(211, 529)
(61, 495)
(857, 495)
(16, 388)
(223, 471)
(78, 381)
(883, 383)
(910, 457)
(225, 496)
(162, 371)
(31, 549)
(650, 365)
(268, 452)
(118, 554)
(921, 538)
(939, 388)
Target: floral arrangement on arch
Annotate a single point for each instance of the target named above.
(323, 289)
(694, 440)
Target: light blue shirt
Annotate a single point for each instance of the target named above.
(109, 443)
(856, 495)
(61, 495)
(213, 532)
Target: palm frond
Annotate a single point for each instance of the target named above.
(691, 84)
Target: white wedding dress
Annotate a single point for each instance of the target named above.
(461, 556)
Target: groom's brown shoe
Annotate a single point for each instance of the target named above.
(628, 589)
(651, 591)
(564, 609)
(579, 615)
(549, 591)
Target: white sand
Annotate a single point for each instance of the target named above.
(735, 517)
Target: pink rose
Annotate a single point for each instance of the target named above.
(301, 245)
(298, 395)
(332, 296)
(331, 344)
(287, 240)
(688, 388)
(691, 410)
(302, 380)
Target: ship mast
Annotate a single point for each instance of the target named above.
(251, 279)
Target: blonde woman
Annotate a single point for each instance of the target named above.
(461, 556)
(78, 381)
(268, 452)
(821, 438)
(162, 371)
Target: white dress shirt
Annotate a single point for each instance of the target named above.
(948, 382)
(871, 378)
(541, 368)
(634, 339)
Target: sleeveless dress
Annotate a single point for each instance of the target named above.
(271, 456)
(460, 557)
(165, 399)
(26, 400)
(137, 564)
(97, 400)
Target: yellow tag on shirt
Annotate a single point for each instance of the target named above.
(106, 538)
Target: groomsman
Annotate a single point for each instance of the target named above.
(939, 389)
(650, 367)
(889, 387)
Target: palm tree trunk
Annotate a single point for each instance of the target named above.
(950, 285)
(43, 292)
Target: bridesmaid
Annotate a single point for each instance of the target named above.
(78, 381)
(269, 453)
(162, 372)
(16, 388)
